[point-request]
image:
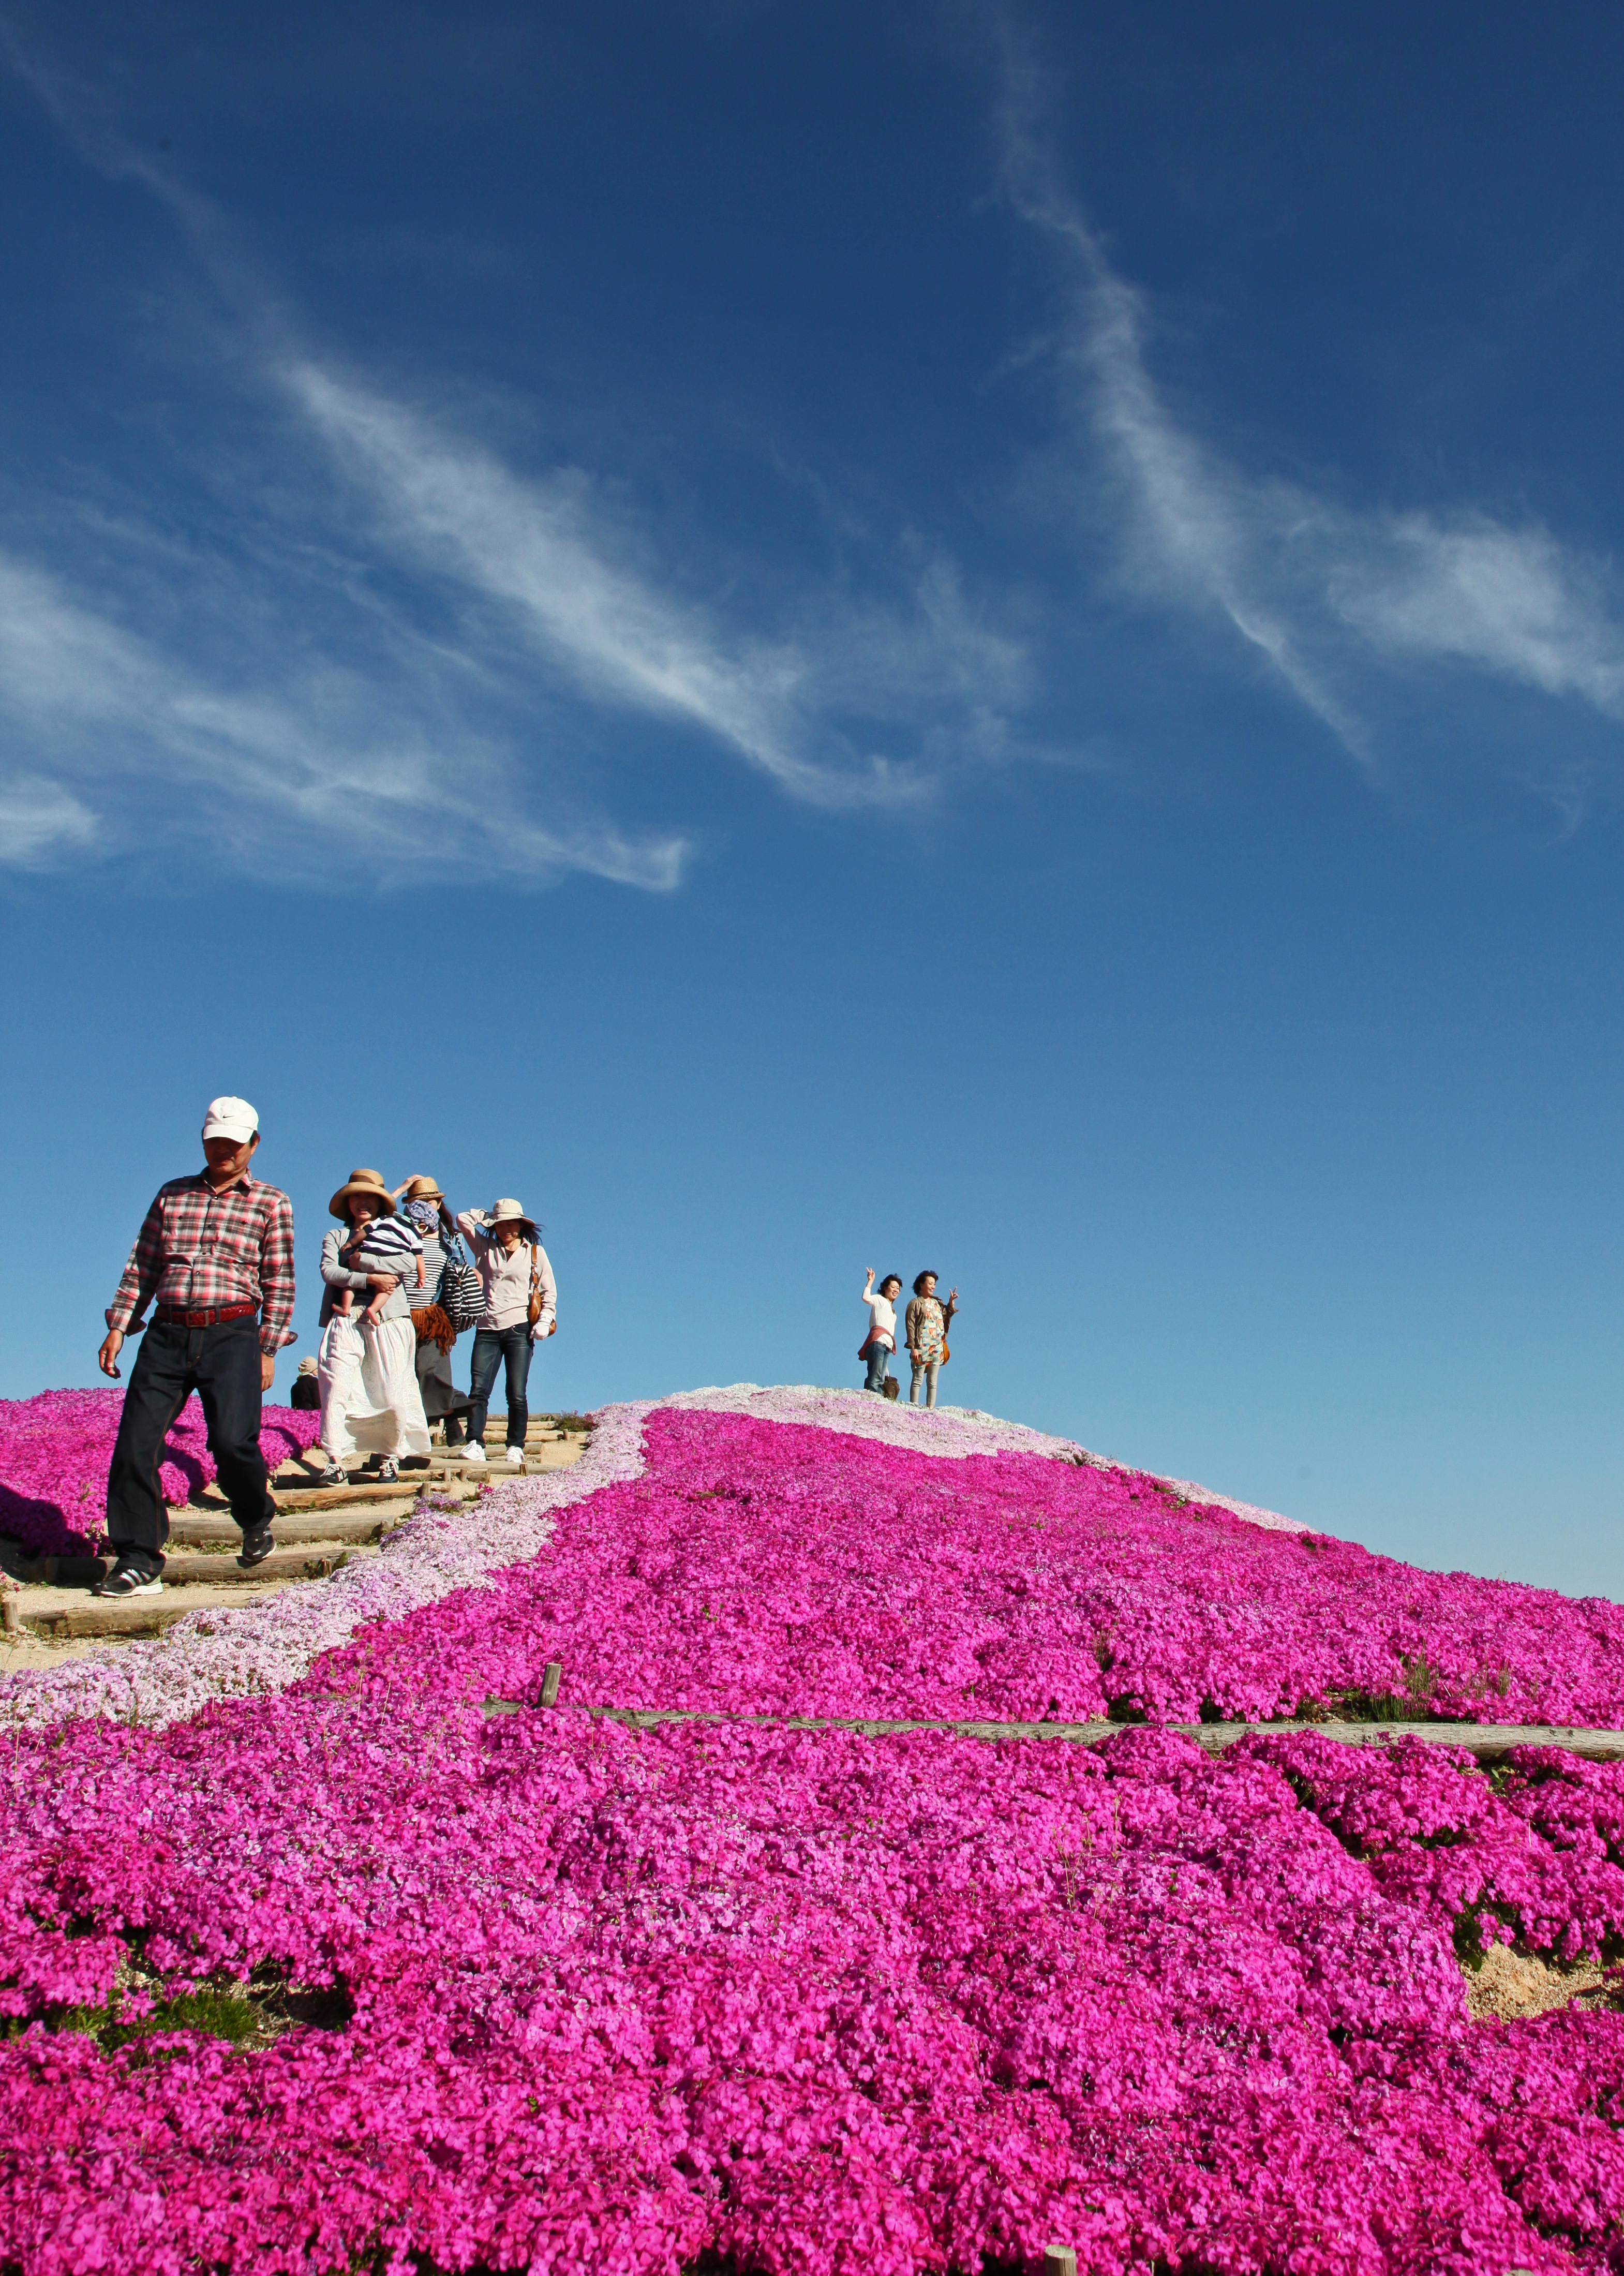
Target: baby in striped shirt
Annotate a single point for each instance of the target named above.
(382, 1244)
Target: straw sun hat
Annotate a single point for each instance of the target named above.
(361, 1181)
(509, 1212)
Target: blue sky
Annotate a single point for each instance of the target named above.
(814, 636)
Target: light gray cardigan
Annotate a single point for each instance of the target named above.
(396, 1305)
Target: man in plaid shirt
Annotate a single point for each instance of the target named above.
(217, 1254)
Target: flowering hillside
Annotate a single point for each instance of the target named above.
(336, 1972)
(758, 1568)
(54, 1452)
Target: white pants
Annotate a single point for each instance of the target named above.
(370, 1399)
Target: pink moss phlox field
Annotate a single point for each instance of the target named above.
(1530, 1855)
(55, 1449)
(772, 1567)
(560, 1995)
(598, 2000)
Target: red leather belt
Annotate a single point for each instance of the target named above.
(168, 1316)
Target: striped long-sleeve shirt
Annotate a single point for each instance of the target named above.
(198, 1248)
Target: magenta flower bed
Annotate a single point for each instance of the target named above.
(598, 2000)
(822, 2002)
(54, 1452)
(763, 1566)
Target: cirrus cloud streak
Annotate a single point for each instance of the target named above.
(1333, 598)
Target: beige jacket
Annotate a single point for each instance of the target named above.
(507, 1277)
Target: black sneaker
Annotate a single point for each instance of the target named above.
(130, 1581)
(256, 1547)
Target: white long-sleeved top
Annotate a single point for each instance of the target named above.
(506, 1276)
(883, 1327)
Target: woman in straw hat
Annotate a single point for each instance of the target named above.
(424, 1207)
(366, 1364)
(520, 1304)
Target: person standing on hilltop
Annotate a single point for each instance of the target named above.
(925, 1326)
(881, 1341)
(215, 1251)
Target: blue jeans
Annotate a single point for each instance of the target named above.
(878, 1359)
(491, 1347)
(221, 1364)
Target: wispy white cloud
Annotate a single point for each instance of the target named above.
(549, 553)
(388, 648)
(1514, 602)
(1321, 590)
(126, 745)
(520, 590)
(41, 822)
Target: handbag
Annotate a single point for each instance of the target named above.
(461, 1291)
(536, 1284)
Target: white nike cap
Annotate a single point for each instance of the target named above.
(230, 1118)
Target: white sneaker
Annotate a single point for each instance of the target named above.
(474, 1451)
(516, 1458)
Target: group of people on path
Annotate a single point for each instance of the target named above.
(214, 1258)
(383, 1368)
(925, 1324)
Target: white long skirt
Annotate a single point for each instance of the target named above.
(368, 1379)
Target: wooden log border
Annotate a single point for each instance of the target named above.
(1488, 1741)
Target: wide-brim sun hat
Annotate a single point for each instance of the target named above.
(508, 1211)
(423, 1189)
(361, 1181)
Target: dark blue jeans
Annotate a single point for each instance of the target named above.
(222, 1365)
(879, 1360)
(491, 1347)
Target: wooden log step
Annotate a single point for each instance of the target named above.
(89, 1616)
(353, 1496)
(189, 1529)
(298, 1474)
(188, 1568)
(538, 1434)
(457, 1464)
(312, 1499)
(57, 1572)
(296, 1564)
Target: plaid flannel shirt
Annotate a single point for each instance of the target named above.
(199, 1248)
